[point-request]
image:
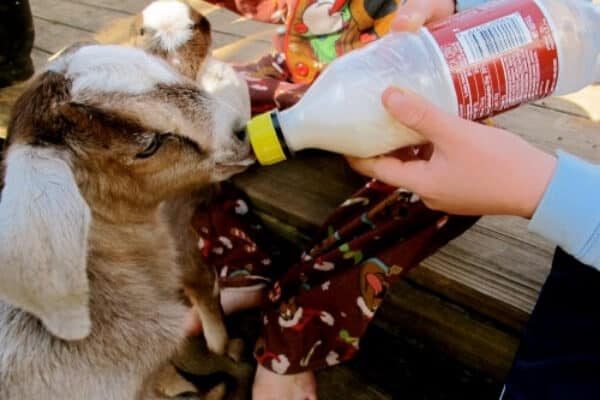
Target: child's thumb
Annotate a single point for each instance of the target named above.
(420, 115)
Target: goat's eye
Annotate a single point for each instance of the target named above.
(142, 31)
(152, 148)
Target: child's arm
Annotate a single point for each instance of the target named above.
(568, 212)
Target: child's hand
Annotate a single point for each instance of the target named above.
(271, 386)
(474, 169)
(415, 13)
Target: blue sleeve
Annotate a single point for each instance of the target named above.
(462, 5)
(569, 212)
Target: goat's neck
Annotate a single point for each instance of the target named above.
(142, 233)
(124, 213)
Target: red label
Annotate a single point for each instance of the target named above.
(500, 55)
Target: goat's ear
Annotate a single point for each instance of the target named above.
(44, 225)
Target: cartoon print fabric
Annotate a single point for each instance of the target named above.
(319, 31)
(316, 33)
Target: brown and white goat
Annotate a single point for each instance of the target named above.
(176, 32)
(90, 273)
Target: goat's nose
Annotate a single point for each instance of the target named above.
(241, 135)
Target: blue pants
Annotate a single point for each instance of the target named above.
(559, 354)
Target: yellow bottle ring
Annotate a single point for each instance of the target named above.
(265, 139)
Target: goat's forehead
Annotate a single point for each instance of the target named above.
(182, 109)
(114, 69)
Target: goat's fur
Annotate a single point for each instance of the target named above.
(90, 273)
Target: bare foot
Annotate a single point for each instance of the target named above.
(232, 300)
(271, 386)
(243, 298)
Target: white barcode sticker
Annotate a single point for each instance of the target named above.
(499, 55)
(496, 37)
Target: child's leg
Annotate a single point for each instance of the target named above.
(233, 241)
(323, 305)
(322, 324)
(559, 355)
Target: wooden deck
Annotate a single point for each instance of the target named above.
(471, 299)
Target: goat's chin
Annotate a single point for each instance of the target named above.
(226, 165)
(224, 172)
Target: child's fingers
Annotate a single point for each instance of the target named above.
(390, 170)
(415, 13)
(418, 114)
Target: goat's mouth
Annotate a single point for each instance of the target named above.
(232, 166)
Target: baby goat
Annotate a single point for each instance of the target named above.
(90, 274)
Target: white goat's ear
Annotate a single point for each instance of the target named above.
(227, 86)
(44, 225)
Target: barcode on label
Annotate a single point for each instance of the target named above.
(495, 37)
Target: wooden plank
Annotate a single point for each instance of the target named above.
(225, 21)
(122, 6)
(478, 344)
(93, 18)
(496, 275)
(238, 49)
(52, 36)
(552, 130)
(409, 367)
(586, 101)
(301, 191)
(583, 103)
(496, 268)
(40, 58)
(79, 16)
(415, 327)
(134, 6)
(7, 97)
(242, 50)
(342, 383)
(226, 46)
